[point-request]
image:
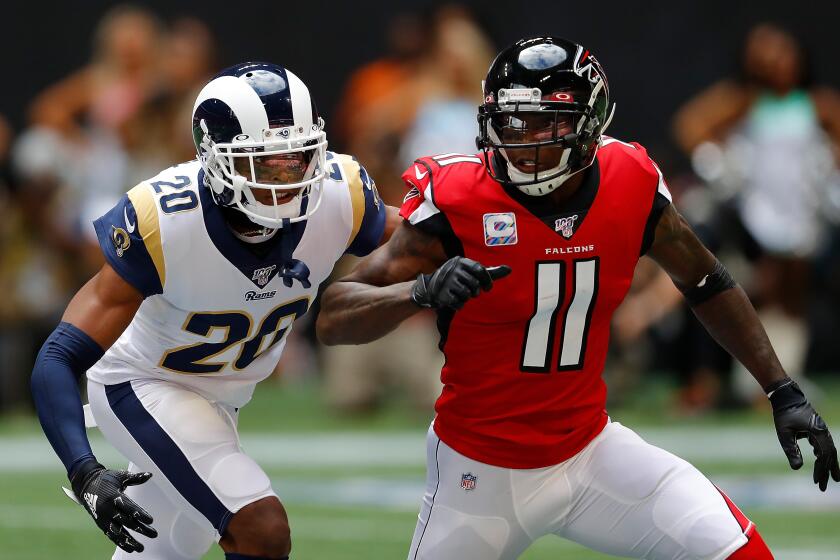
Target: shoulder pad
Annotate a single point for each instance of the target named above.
(130, 239)
(633, 157)
(367, 206)
(428, 172)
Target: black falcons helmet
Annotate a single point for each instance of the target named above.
(553, 84)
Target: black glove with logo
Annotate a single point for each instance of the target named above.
(100, 491)
(455, 282)
(795, 418)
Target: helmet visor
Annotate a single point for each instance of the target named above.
(276, 169)
(532, 127)
(534, 141)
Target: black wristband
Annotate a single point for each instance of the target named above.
(715, 282)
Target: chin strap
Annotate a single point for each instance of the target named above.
(543, 187)
(609, 119)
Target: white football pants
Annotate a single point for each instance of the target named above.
(619, 495)
(200, 475)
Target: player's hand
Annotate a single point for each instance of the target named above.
(100, 491)
(455, 282)
(795, 418)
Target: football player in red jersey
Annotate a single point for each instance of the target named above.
(521, 445)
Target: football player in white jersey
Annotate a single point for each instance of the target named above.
(207, 266)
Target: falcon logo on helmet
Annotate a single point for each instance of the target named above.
(546, 107)
(592, 70)
(261, 143)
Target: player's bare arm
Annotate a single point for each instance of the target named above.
(727, 314)
(104, 307)
(380, 293)
(94, 319)
(376, 296)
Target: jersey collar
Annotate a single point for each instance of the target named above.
(257, 263)
(574, 210)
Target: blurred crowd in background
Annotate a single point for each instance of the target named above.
(762, 189)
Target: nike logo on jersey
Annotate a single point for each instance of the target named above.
(90, 500)
(418, 174)
(129, 227)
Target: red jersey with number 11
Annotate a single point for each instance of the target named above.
(522, 380)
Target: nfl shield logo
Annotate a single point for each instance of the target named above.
(468, 481)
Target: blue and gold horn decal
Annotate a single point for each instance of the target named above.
(121, 240)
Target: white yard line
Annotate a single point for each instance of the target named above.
(407, 450)
(404, 449)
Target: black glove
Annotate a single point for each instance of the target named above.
(100, 491)
(456, 281)
(795, 418)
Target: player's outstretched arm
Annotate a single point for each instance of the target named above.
(727, 314)
(95, 318)
(376, 297)
(408, 273)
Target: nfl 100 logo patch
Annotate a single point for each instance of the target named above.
(262, 275)
(468, 481)
(566, 226)
(500, 229)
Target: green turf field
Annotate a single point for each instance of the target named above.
(352, 487)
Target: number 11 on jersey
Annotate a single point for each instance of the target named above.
(550, 280)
